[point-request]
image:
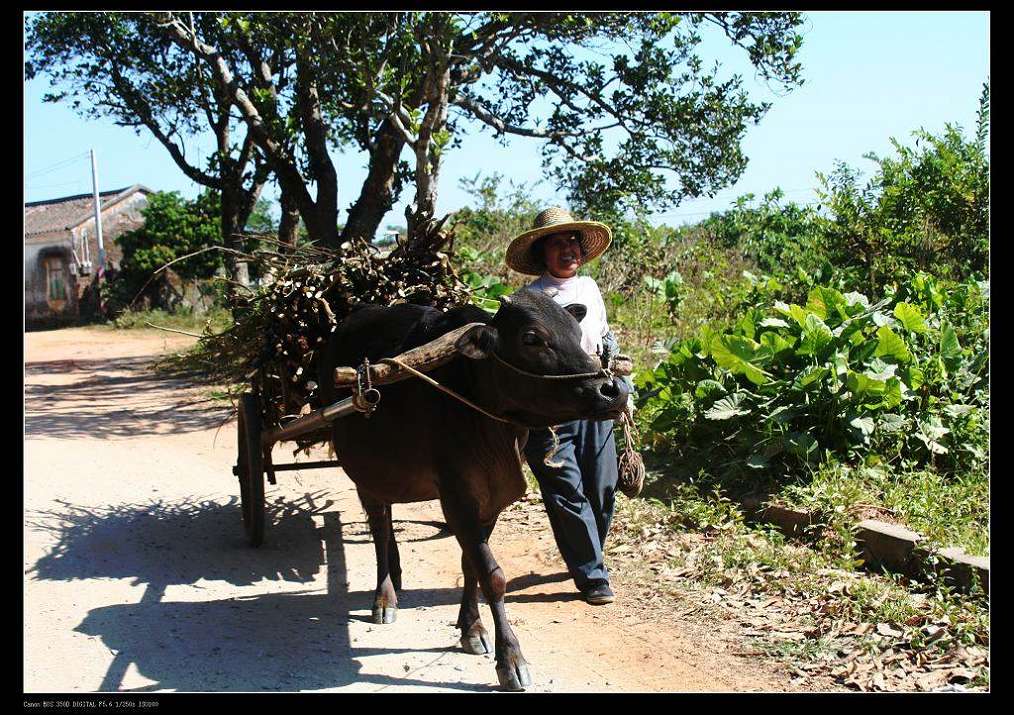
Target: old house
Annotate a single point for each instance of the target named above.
(61, 248)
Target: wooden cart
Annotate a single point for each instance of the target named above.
(255, 443)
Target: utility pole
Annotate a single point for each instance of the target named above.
(98, 220)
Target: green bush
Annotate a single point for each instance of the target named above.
(927, 209)
(784, 240)
(173, 228)
(902, 378)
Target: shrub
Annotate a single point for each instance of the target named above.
(905, 377)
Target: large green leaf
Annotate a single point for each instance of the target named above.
(890, 345)
(708, 388)
(864, 386)
(816, 336)
(776, 343)
(892, 423)
(796, 312)
(735, 353)
(911, 317)
(950, 348)
(930, 433)
(857, 302)
(828, 304)
(863, 424)
(801, 444)
(913, 376)
(892, 395)
(728, 407)
(810, 376)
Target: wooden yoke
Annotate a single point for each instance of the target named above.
(423, 358)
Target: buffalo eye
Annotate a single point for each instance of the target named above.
(531, 338)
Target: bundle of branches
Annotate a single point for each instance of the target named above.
(282, 327)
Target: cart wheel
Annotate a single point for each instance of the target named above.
(251, 469)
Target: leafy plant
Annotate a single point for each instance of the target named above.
(789, 383)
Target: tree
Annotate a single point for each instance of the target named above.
(621, 101)
(173, 228)
(120, 66)
(927, 208)
(627, 112)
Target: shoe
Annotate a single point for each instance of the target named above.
(598, 594)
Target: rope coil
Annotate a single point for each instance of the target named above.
(629, 464)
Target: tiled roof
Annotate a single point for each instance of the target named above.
(65, 213)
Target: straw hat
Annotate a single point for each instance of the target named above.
(595, 238)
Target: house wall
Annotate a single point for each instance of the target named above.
(37, 302)
(116, 220)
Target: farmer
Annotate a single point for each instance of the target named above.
(578, 493)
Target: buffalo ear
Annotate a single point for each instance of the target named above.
(477, 342)
(578, 310)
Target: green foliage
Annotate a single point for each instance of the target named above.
(905, 377)
(482, 232)
(261, 219)
(784, 240)
(669, 289)
(926, 209)
(173, 228)
(186, 319)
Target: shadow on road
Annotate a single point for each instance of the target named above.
(119, 397)
(278, 641)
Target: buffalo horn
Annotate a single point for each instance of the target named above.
(423, 358)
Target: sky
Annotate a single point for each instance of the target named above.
(869, 76)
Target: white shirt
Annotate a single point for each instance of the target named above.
(584, 290)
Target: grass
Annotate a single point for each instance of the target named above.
(947, 511)
(215, 320)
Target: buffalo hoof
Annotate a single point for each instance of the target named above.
(476, 643)
(513, 677)
(385, 614)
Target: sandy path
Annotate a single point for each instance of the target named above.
(137, 576)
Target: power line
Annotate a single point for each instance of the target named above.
(57, 165)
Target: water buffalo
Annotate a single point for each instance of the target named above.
(422, 444)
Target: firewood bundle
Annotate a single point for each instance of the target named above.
(281, 328)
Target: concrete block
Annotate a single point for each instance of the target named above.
(887, 544)
(965, 569)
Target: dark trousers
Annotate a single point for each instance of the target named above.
(578, 494)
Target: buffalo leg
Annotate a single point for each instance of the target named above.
(511, 666)
(385, 600)
(474, 638)
(393, 557)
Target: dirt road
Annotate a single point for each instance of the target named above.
(137, 576)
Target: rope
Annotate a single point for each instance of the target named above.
(552, 451)
(556, 440)
(600, 373)
(449, 391)
(630, 465)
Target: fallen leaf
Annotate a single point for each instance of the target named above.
(886, 629)
(961, 675)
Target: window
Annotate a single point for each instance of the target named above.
(55, 287)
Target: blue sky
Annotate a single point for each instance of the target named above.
(869, 76)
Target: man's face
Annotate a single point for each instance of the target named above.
(563, 254)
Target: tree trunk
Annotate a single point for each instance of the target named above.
(231, 210)
(323, 228)
(427, 162)
(379, 193)
(288, 226)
